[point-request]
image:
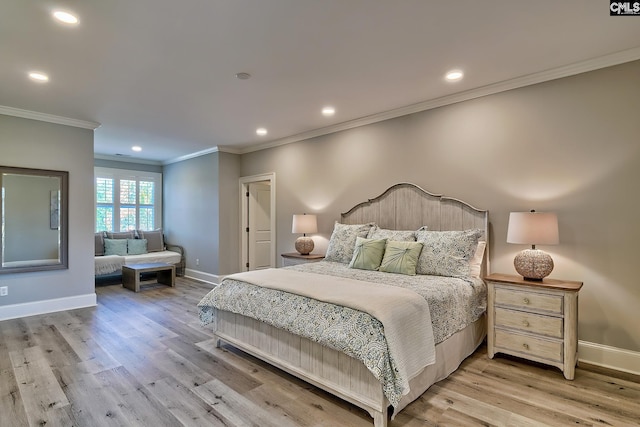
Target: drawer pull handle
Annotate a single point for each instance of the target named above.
(526, 346)
(526, 300)
(525, 323)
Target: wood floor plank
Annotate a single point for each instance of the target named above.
(138, 403)
(143, 359)
(93, 358)
(47, 336)
(303, 398)
(39, 389)
(237, 409)
(102, 411)
(216, 367)
(189, 408)
(183, 370)
(12, 409)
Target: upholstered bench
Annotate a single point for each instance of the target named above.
(114, 250)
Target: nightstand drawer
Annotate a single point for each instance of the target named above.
(529, 301)
(529, 322)
(527, 345)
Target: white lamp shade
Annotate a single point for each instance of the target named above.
(533, 228)
(304, 224)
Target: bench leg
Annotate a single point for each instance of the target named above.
(167, 277)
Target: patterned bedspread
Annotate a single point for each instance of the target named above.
(454, 303)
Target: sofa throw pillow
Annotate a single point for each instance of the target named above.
(121, 234)
(155, 240)
(136, 246)
(99, 243)
(367, 253)
(343, 241)
(395, 235)
(447, 253)
(115, 247)
(401, 257)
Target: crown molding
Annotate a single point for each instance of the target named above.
(191, 155)
(515, 83)
(126, 159)
(50, 118)
(216, 149)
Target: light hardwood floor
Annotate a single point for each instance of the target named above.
(142, 359)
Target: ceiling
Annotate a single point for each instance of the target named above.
(160, 74)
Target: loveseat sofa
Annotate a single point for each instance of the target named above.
(113, 250)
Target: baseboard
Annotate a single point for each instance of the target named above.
(609, 357)
(202, 276)
(15, 311)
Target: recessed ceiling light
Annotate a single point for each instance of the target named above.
(328, 111)
(261, 131)
(454, 75)
(65, 17)
(243, 76)
(38, 76)
(136, 148)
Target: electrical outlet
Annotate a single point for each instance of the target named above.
(4, 291)
(197, 261)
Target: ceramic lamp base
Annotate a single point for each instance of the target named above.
(304, 245)
(533, 264)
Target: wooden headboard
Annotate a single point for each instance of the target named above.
(406, 206)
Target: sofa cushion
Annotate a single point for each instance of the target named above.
(155, 241)
(121, 234)
(99, 243)
(136, 246)
(115, 247)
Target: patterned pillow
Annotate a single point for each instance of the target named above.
(136, 246)
(368, 253)
(401, 257)
(447, 253)
(395, 235)
(343, 241)
(115, 247)
(155, 240)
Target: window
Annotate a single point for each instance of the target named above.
(127, 200)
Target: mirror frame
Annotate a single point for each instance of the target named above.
(64, 220)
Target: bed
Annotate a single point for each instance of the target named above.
(365, 359)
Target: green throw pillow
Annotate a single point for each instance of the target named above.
(401, 257)
(115, 247)
(136, 246)
(367, 253)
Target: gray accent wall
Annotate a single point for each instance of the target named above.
(571, 146)
(40, 145)
(200, 208)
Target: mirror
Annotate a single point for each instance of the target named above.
(34, 220)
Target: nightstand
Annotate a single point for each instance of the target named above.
(535, 320)
(294, 258)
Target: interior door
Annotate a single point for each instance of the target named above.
(259, 215)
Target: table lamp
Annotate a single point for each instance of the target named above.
(533, 228)
(304, 224)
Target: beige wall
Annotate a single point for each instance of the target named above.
(40, 145)
(571, 146)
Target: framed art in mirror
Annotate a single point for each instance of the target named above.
(34, 220)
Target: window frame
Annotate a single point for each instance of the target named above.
(134, 175)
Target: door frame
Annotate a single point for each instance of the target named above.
(244, 236)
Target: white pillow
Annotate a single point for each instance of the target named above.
(475, 263)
